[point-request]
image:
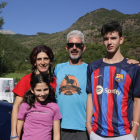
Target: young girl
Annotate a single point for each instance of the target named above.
(39, 113)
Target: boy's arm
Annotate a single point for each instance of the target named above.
(19, 127)
(56, 130)
(89, 113)
(136, 116)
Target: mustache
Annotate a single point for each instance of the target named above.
(74, 51)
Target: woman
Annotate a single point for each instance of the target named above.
(41, 59)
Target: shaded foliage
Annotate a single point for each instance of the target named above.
(2, 5)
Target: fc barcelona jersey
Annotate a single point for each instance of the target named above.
(113, 88)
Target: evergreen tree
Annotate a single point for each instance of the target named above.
(2, 5)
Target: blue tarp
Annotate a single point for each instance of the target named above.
(5, 120)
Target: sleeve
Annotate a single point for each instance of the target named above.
(136, 83)
(88, 87)
(22, 111)
(53, 84)
(22, 86)
(57, 114)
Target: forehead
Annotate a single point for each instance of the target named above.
(42, 54)
(75, 39)
(41, 85)
(114, 33)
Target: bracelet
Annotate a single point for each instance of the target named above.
(87, 121)
(14, 137)
(135, 123)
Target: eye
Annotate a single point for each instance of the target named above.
(105, 38)
(38, 89)
(46, 89)
(38, 59)
(46, 58)
(113, 38)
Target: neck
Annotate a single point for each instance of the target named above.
(112, 58)
(75, 62)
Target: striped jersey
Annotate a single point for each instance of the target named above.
(113, 88)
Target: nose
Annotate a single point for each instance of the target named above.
(74, 47)
(42, 61)
(109, 41)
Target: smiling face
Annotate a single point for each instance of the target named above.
(112, 41)
(42, 62)
(41, 92)
(75, 52)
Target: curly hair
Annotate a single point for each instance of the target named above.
(33, 56)
(29, 97)
(110, 27)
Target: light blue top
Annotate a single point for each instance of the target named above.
(71, 94)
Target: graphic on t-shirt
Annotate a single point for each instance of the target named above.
(119, 77)
(69, 85)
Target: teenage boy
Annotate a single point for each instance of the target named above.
(113, 91)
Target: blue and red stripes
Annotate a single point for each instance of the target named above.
(110, 107)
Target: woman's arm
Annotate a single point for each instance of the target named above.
(16, 105)
(56, 130)
(19, 127)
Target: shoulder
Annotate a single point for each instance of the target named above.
(95, 64)
(85, 64)
(28, 76)
(24, 105)
(54, 106)
(60, 66)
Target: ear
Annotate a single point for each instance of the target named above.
(121, 40)
(67, 48)
(32, 91)
(84, 48)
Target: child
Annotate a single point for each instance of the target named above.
(39, 113)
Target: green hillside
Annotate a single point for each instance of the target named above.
(90, 24)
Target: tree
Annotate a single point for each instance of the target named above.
(2, 5)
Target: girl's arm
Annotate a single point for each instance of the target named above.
(56, 130)
(19, 127)
(16, 105)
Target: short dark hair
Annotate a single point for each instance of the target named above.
(29, 97)
(110, 27)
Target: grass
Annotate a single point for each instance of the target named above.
(16, 76)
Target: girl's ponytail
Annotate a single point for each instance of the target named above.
(29, 98)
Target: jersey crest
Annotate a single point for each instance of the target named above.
(119, 77)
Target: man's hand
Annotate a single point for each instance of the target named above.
(89, 113)
(132, 61)
(89, 128)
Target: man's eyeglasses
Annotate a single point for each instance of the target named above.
(78, 45)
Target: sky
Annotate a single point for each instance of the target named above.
(50, 16)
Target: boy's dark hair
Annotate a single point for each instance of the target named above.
(29, 97)
(110, 27)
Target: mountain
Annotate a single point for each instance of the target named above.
(90, 24)
(7, 32)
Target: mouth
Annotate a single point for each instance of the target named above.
(110, 47)
(74, 52)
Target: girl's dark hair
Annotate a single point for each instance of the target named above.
(29, 97)
(33, 56)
